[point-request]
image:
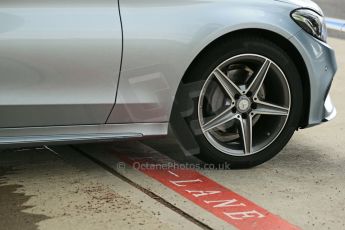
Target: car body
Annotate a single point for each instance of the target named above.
(102, 70)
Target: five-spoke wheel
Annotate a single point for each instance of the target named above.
(244, 103)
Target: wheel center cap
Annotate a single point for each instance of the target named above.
(243, 104)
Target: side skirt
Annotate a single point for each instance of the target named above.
(83, 133)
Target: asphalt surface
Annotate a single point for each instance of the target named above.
(332, 8)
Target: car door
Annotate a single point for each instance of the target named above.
(59, 61)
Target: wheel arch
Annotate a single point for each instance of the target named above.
(278, 40)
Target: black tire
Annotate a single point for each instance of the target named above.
(186, 101)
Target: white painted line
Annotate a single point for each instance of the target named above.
(174, 174)
(335, 24)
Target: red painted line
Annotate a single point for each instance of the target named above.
(204, 192)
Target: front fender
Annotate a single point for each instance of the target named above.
(162, 38)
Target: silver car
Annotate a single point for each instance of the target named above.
(233, 78)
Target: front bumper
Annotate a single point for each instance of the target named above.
(321, 64)
(330, 110)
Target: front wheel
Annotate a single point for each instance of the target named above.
(248, 103)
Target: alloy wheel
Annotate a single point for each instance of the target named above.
(244, 104)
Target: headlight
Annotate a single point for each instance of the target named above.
(312, 22)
